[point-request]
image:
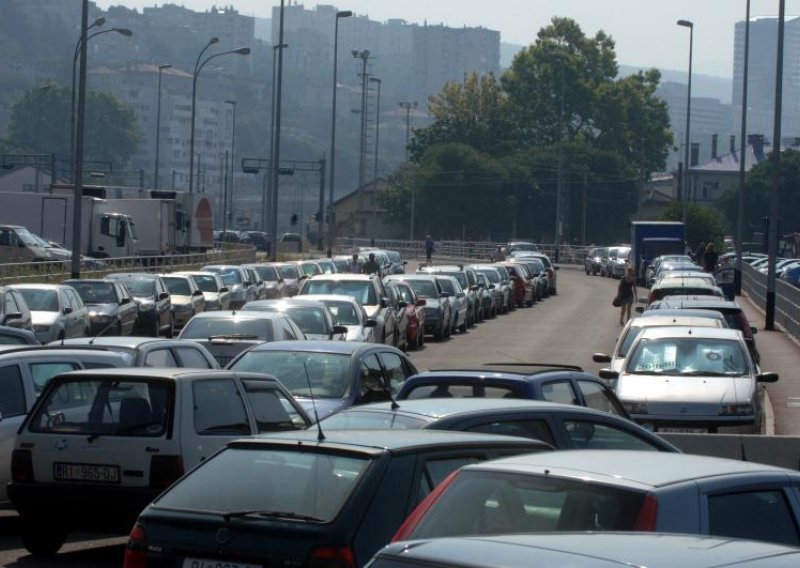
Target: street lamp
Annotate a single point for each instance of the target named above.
(377, 137)
(233, 149)
(331, 220)
(276, 140)
(268, 197)
(197, 68)
(97, 23)
(690, 25)
(158, 122)
(737, 279)
(408, 105)
(362, 167)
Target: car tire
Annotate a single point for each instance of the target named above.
(171, 330)
(438, 335)
(41, 537)
(463, 327)
(118, 329)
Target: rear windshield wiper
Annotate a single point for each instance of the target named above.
(271, 515)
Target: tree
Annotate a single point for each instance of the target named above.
(702, 224)
(40, 123)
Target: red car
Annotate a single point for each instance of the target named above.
(523, 283)
(415, 313)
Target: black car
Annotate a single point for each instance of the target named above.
(152, 296)
(555, 383)
(303, 498)
(338, 374)
(112, 310)
(14, 311)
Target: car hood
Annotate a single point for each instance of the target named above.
(180, 300)
(433, 303)
(356, 333)
(101, 309)
(687, 391)
(325, 406)
(44, 318)
(372, 311)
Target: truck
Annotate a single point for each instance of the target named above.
(650, 239)
(104, 232)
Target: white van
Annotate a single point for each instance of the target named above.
(17, 244)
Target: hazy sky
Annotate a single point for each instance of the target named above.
(644, 30)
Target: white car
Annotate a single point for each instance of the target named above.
(347, 311)
(690, 379)
(57, 311)
(310, 315)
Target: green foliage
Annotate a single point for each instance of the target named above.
(702, 223)
(40, 123)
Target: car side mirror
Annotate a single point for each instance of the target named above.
(384, 302)
(601, 358)
(67, 311)
(247, 283)
(370, 323)
(124, 301)
(402, 304)
(223, 290)
(767, 378)
(491, 286)
(163, 296)
(444, 295)
(339, 329)
(473, 288)
(405, 262)
(421, 302)
(753, 329)
(608, 374)
(12, 316)
(639, 309)
(460, 295)
(197, 293)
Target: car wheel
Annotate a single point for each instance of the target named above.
(118, 328)
(438, 335)
(171, 330)
(40, 537)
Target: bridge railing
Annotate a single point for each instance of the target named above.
(787, 298)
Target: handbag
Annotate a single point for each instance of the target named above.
(616, 302)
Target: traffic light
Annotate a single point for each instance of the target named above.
(316, 216)
(293, 220)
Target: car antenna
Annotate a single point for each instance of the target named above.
(101, 332)
(320, 435)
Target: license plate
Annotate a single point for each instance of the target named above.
(202, 563)
(684, 430)
(85, 472)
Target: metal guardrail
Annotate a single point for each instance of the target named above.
(53, 272)
(787, 298)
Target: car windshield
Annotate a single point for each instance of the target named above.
(177, 286)
(424, 288)
(95, 292)
(328, 373)
(310, 268)
(26, 236)
(204, 328)
(492, 275)
(372, 420)
(230, 276)
(623, 254)
(405, 293)
(394, 256)
(269, 483)
(343, 313)
(289, 271)
(310, 319)
(688, 356)
(40, 300)
(205, 282)
(267, 273)
(105, 407)
(483, 503)
(460, 276)
(446, 286)
(361, 290)
(141, 287)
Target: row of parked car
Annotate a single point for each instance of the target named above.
(607, 261)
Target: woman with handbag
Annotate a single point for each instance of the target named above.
(626, 295)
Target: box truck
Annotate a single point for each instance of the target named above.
(650, 239)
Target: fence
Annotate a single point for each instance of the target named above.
(787, 298)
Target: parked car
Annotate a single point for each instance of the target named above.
(593, 260)
(469, 284)
(338, 374)
(506, 282)
(308, 267)
(112, 310)
(57, 312)
(185, 297)
(240, 289)
(290, 499)
(415, 314)
(259, 287)
(690, 379)
(215, 292)
(619, 263)
(398, 265)
(98, 446)
(687, 286)
(549, 267)
(459, 306)
(565, 384)
(515, 246)
(347, 311)
(438, 312)
(500, 290)
(311, 316)
(24, 373)
(397, 302)
(522, 280)
(11, 337)
(292, 277)
(226, 334)
(152, 297)
(614, 491)
(14, 312)
(563, 426)
(150, 351)
(587, 550)
(486, 297)
(367, 289)
(274, 285)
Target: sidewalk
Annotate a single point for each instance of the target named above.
(780, 354)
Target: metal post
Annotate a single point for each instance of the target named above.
(233, 149)
(737, 275)
(197, 66)
(408, 105)
(362, 149)
(377, 127)
(77, 200)
(158, 124)
(687, 163)
(276, 153)
(225, 196)
(774, 205)
(321, 220)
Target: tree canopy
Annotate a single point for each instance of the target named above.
(40, 124)
(495, 147)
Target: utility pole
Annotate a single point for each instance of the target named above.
(321, 219)
(737, 278)
(362, 165)
(276, 149)
(408, 105)
(583, 215)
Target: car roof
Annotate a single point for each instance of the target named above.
(686, 282)
(343, 276)
(37, 286)
(684, 312)
(637, 469)
(707, 302)
(21, 352)
(689, 332)
(129, 341)
(167, 373)
(318, 346)
(442, 268)
(329, 298)
(238, 314)
(678, 319)
(309, 301)
(591, 549)
(377, 441)
(428, 276)
(142, 275)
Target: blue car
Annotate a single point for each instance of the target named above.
(555, 383)
(329, 376)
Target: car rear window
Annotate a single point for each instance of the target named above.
(231, 327)
(466, 390)
(483, 503)
(205, 283)
(270, 482)
(371, 420)
(361, 290)
(108, 407)
(326, 374)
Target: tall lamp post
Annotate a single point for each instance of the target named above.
(158, 123)
(331, 212)
(375, 166)
(78, 49)
(268, 181)
(690, 25)
(363, 55)
(408, 105)
(737, 275)
(233, 149)
(275, 155)
(197, 68)
(75, 263)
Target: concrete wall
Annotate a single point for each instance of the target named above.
(783, 451)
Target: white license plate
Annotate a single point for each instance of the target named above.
(85, 472)
(202, 563)
(684, 430)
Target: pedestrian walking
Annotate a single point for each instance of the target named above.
(429, 248)
(699, 254)
(354, 266)
(626, 294)
(710, 258)
(371, 266)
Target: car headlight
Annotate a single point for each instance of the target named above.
(635, 407)
(147, 305)
(99, 316)
(736, 409)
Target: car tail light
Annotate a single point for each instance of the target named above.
(332, 557)
(416, 515)
(22, 466)
(135, 556)
(648, 515)
(164, 470)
